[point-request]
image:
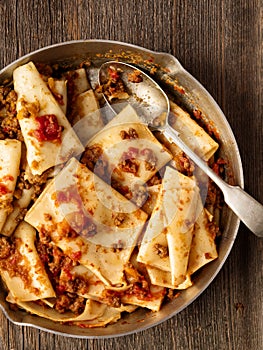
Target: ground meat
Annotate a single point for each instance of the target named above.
(207, 126)
(76, 285)
(172, 294)
(27, 180)
(124, 190)
(140, 289)
(129, 166)
(89, 230)
(187, 166)
(155, 180)
(11, 128)
(219, 167)
(118, 218)
(101, 169)
(4, 91)
(12, 262)
(150, 159)
(55, 262)
(8, 98)
(37, 191)
(111, 298)
(5, 248)
(114, 87)
(44, 69)
(62, 304)
(135, 77)
(91, 156)
(2, 135)
(71, 233)
(21, 215)
(47, 217)
(44, 236)
(129, 162)
(78, 305)
(139, 194)
(161, 250)
(70, 302)
(71, 96)
(139, 285)
(117, 247)
(51, 256)
(213, 196)
(128, 135)
(38, 179)
(213, 229)
(22, 183)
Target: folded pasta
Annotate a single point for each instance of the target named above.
(23, 272)
(167, 240)
(191, 133)
(75, 200)
(126, 153)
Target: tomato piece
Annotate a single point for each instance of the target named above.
(48, 128)
(3, 189)
(114, 74)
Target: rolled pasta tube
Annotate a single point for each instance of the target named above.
(78, 78)
(37, 112)
(191, 133)
(203, 247)
(87, 119)
(58, 88)
(10, 156)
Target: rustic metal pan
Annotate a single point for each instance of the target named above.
(170, 73)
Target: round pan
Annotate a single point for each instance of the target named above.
(168, 72)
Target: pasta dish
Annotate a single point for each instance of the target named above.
(98, 215)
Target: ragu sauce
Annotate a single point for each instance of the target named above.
(48, 128)
(3, 189)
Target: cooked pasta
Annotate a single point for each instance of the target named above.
(97, 218)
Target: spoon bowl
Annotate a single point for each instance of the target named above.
(152, 105)
(143, 93)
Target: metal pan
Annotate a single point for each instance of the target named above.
(188, 92)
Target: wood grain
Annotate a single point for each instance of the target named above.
(220, 43)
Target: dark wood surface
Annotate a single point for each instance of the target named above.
(220, 43)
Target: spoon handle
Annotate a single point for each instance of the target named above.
(249, 211)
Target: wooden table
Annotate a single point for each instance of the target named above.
(219, 43)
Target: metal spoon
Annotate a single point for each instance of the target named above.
(150, 100)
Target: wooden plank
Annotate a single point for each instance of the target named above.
(15, 337)
(31, 338)
(8, 31)
(4, 332)
(219, 43)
